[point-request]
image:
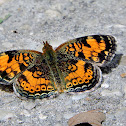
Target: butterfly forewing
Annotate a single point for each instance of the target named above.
(97, 49)
(12, 63)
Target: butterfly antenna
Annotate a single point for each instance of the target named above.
(44, 43)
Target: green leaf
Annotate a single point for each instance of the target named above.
(6, 17)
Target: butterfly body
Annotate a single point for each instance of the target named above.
(72, 67)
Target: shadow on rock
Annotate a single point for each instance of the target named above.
(113, 64)
(6, 88)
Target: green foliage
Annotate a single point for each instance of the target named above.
(6, 17)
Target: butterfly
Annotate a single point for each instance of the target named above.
(71, 67)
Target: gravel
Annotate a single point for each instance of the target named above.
(34, 21)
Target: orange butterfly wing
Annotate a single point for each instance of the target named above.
(30, 69)
(78, 75)
(98, 49)
(77, 60)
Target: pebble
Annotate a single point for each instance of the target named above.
(52, 13)
(28, 105)
(124, 103)
(68, 115)
(111, 93)
(5, 114)
(105, 85)
(25, 112)
(124, 89)
(58, 124)
(41, 116)
(1, 28)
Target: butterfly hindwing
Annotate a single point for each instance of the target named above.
(35, 82)
(79, 75)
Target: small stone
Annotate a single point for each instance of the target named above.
(5, 114)
(124, 89)
(120, 26)
(52, 13)
(1, 29)
(105, 85)
(41, 116)
(124, 102)
(25, 112)
(58, 124)
(25, 27)
(88, 99)
(68, 115)
(31, 33)
(28, 105)
(111, 93)
(123, 75)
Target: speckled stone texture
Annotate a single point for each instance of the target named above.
(35, 21)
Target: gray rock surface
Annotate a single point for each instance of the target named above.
(57, 21)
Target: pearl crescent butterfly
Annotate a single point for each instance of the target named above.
(72, 67)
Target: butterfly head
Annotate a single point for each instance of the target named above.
(47, 47)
